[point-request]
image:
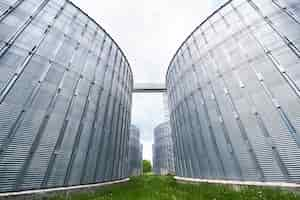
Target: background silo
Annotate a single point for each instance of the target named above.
(141, 159)
(233, 90)
(65, 98)
(135, 152)
(163, 156)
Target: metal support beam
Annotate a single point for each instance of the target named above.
(149, 88)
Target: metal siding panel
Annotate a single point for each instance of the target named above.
(26, 94)
(250, 49)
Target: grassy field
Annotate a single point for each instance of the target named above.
(165, 188)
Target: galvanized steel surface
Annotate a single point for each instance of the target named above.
(233, 90)
(135, 153)
(65, 98)
(163, 156)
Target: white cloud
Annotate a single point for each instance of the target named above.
(149, 32)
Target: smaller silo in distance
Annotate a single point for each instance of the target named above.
(135, 153)
(163, 156)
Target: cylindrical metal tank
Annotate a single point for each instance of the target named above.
(141, 158)
(163, 156)
(65, 98)
(233, 89)
(135, 152)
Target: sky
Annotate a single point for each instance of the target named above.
(149, 32)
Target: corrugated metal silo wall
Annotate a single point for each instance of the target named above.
(163, 156)
(135, 152)
(233, 89)
(65, 98)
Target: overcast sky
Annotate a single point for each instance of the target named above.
(149, 32)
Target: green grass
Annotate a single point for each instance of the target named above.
(165, 188)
